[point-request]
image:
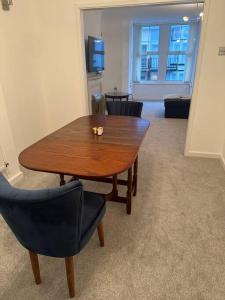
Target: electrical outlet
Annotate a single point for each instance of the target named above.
(221, 51)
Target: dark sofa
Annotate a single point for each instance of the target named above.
(177, 107)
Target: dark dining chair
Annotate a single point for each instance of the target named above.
(127, 108)
(56, 222)
(124, 108)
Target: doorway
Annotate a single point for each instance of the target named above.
(129, 82)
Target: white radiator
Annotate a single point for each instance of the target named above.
(2, 161)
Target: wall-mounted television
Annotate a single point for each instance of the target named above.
(95, 54)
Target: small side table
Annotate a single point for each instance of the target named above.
(117, 95)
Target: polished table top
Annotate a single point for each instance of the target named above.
(75, 150)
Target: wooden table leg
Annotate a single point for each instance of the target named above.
(62, 180)
(135, 176)
(129, 191)
(115, 190)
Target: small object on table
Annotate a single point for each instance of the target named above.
(95, 130)
(99, 130)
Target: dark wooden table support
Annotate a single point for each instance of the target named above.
(62, 180)
(115, 190)
(104, 179)
(135, 177)
(113, 196)
(129, 191)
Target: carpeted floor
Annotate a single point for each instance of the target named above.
(171, 247)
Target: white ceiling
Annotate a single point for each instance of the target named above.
(158, 12)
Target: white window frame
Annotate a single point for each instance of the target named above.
(163, 52)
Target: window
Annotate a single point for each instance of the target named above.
(175, 67)
(176, 61)
(149, 48)
(179, 37)
(156, 61)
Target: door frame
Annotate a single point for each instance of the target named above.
(81, 5)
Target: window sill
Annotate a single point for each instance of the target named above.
(160, 83)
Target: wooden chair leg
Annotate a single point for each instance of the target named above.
(69, 262)
(35, 267)
(101, 234)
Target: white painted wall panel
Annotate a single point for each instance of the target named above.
(158, 91)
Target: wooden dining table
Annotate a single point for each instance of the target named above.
(75, 150)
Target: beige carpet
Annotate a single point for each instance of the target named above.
(171, 247)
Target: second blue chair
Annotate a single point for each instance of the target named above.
(55, 222)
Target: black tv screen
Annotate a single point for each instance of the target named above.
(96, 51)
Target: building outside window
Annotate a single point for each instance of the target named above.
(152, 62)
(149, 53)
(176, 61)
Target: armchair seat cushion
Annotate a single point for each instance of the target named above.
(93, 210)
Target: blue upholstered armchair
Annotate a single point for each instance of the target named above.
(55, 222)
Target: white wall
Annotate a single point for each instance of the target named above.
(93, 23)
(59, 59)
(92, 20)
(142, 91)
(206, 132)
(19, 75)
(39, 63)
(112, 34)
(39, 59)
(7, 146)
(117, 24)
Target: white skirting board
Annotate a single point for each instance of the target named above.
(206, 155)
(222, 161)
(16, 178)
(203, 154)
(2, 166)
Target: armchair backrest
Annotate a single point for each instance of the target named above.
(44, 221)
(124, 108)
